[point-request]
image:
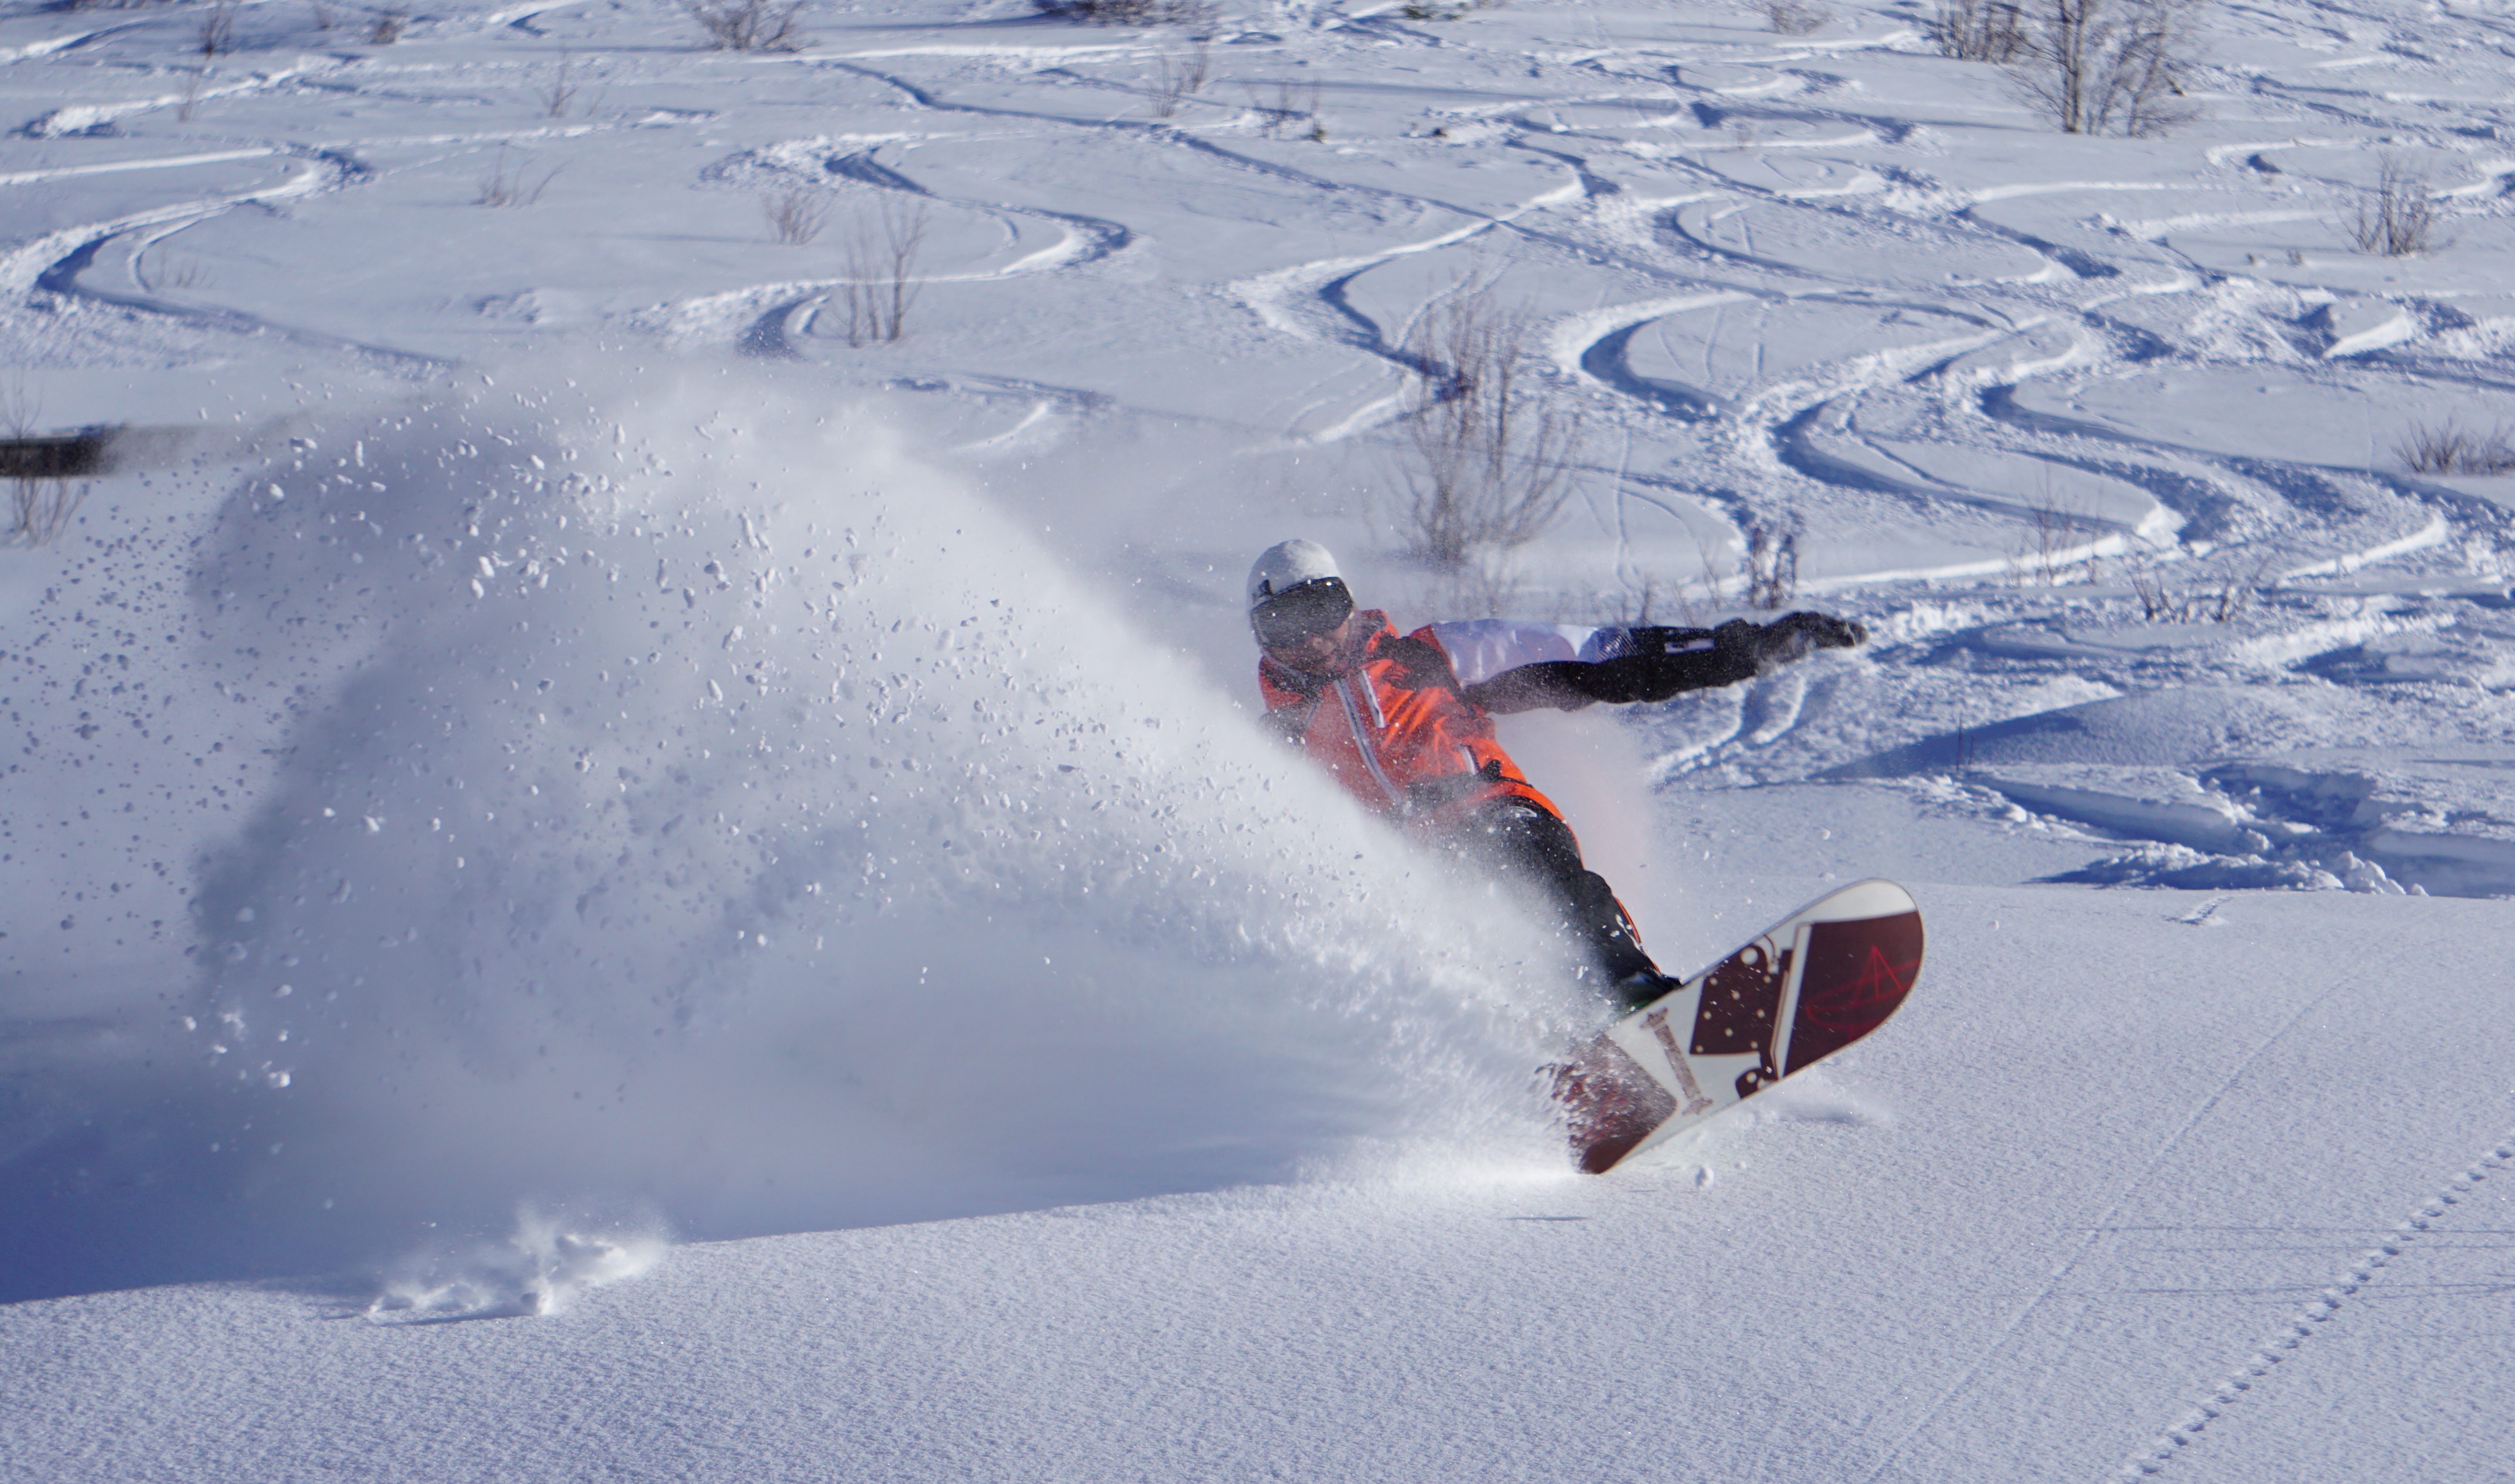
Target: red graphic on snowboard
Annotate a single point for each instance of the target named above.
(1858, 974)
(1826, 977)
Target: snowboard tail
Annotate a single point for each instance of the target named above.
(1812, 984)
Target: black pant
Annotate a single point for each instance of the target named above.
(1530, 848)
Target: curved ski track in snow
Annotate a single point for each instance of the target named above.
(1792, 423)
(75, 119)
(783, 313)
(56, 262)
(22, 267)
(1307, 300)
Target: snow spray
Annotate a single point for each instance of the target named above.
(680, 794)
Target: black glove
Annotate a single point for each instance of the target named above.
(1786, 639)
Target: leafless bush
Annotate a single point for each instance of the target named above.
(2450, 448)
(2400, 216)
(1770, 566)
(1182, 74)
(217, 35)
(2056, 529)
(1979, 30)
(1486, 585)
(387, 28)
(40, 505)
(192, 98)
(1791, 17)
(1285, 106)
(796, 215)
(1633, 609)
(2107, 67)
(1659, 602)
(882, 273)
(40, 509)
(322, 17)
(513, 185)
(1715, 581)
(2159, 602)
(1489, 466)
(1189, 13)
(562, 90)
(749, 26)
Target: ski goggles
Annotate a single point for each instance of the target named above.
(1301, 612)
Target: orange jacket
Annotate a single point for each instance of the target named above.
(1396, 728)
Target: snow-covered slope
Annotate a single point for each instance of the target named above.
(2082, 1214)
(566, 737)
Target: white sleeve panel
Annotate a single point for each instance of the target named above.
(1481, 648)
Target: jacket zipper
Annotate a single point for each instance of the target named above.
(1362, 742)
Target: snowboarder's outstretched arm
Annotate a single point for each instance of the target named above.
(1507, 667)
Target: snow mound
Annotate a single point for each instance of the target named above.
(2156, 727)
(543, 1265)
(2318, 819)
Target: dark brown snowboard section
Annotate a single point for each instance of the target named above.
(1610, 1104)
(1857, 972)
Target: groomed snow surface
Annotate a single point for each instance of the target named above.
(611, 872)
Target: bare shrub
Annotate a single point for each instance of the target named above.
(749, 26)
(1634, 609)
(1716, 582)
(1487, 586)
(1285, 106)
(1979, 30)
(2230, 599)
(217, 35)
(512, 184)
(1770, 565)
(2056, 529)
(881, 284)
(42, 497)
(2450, 448)
(1659, 602)
(562, 90)
(322, 17)
(191, 98)
(2399, 217)
(1791, 17)
(2107, 67)
(1489, 466)
(40, 509)
(1187, 13)
(796, 215)
(387, 28)
(1181, 75)
(21, 410)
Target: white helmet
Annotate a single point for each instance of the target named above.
(1287, 565)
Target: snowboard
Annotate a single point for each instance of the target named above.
(1800, 991)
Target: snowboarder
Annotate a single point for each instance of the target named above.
(1405, 722)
